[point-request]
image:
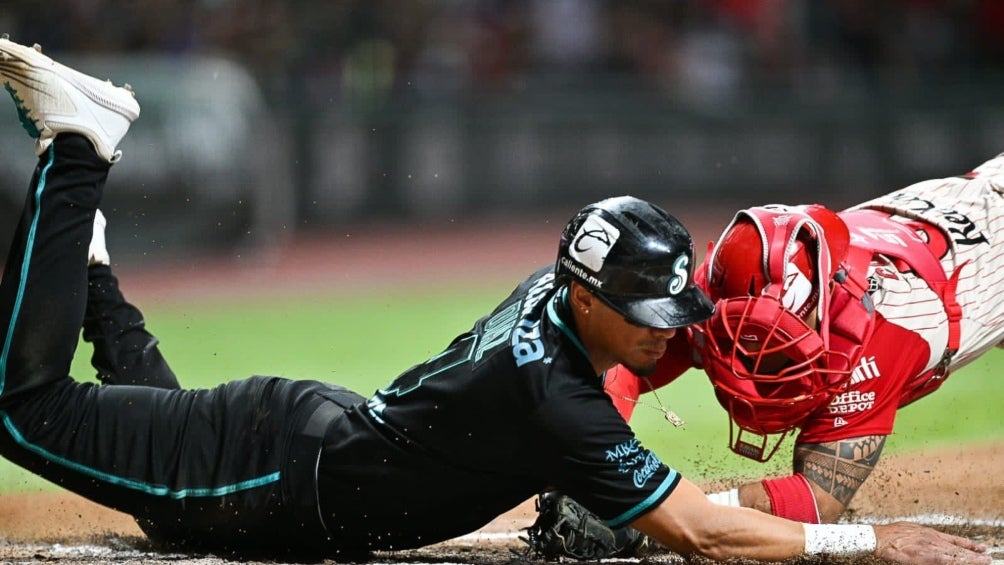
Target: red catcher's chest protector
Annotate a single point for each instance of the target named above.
(882, 235)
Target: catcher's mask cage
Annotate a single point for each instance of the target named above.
(637, 259)
(770, 276)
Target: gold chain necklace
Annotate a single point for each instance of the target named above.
(670, 416)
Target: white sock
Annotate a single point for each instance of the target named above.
(97, 253)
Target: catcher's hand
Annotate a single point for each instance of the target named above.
(564, 528)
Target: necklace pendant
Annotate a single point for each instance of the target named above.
(672, 418)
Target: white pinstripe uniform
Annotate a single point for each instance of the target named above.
(970, 211)
(899, 362)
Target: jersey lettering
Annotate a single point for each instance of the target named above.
(852, 401)
(964, 231)
(632, 458)
(866, 370)
(623, 450)
(879, 234)
(460, 353)
(497, 330)
(536, 292)
(526, 343)
(649, 468)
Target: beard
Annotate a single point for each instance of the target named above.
(642, 370)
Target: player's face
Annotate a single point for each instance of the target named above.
(636, 347)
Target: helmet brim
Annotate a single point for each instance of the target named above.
(690, 306)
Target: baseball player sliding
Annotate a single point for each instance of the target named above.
(268, 464)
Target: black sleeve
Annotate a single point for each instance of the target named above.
(597, 460)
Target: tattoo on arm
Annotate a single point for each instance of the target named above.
(839, 467)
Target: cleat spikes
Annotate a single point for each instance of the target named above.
(37, 47)
(5, 36)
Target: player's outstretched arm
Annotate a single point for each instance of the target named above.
(689, 524)
(835, 470)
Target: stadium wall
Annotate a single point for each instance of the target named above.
(211, 164)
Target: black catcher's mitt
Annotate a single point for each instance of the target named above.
(564, 528)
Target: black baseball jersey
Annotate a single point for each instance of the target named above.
(509, 408)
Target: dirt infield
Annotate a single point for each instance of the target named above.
(957, 488)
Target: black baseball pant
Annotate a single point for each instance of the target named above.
(232, 467)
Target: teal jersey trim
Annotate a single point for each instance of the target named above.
(644, 506)
(29, 246)
(671, 479)
(552, 313)
(157, 490)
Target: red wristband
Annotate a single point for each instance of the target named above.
(792, 498)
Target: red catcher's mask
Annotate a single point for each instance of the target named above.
(770, 277)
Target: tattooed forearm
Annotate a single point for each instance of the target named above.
(839, 467)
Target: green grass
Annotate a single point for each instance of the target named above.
(362, 341)
(964, 410)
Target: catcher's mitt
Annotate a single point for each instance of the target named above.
(565, 528)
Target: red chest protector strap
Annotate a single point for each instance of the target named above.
(878, 233)
(851, 312)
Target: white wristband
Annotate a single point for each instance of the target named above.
(839, 539)
(725, 498)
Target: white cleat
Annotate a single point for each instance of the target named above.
(97, 253)
(52, 98)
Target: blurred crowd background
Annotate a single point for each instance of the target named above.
(264, 118)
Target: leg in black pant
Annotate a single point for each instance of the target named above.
(125, 353)
(44, 290)
(216, 467)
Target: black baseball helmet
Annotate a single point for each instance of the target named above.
(638, 259)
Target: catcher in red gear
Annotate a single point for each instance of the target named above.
(827, 323)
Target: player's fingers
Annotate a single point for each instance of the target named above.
(965, 543)
(939, 555)
(905, 542)
(949, 551)
(969, 558)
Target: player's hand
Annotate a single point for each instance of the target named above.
(905, 542)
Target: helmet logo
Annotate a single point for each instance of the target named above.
(593, 242)
(797, 288)
(678, 281)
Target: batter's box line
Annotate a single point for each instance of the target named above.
(949, 520)
(936, 520)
